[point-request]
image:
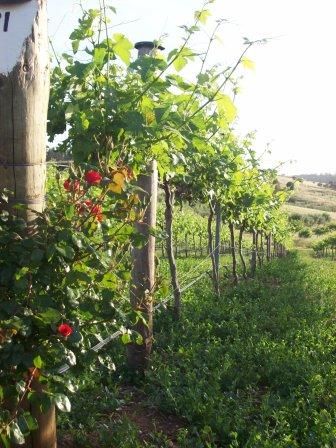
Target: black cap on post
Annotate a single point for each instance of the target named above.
(12, 2)
(145, 47)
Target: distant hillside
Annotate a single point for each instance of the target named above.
(325, 178)
(310, 196)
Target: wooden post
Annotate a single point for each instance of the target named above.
(143, 272)
(143, 269)
(45, 436)
(24, 96)
(262, 249)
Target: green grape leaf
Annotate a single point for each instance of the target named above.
(122, 47)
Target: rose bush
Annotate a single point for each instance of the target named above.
(62, 282)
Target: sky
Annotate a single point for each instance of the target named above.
(289, 99)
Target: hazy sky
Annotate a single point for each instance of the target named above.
(290, 98)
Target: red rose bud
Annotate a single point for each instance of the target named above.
(93, 177)
(83, 206)
(97, 211)
(65, 330)
(67, 185)
(76, 186)
(72, 185)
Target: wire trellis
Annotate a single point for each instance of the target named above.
(66, 367)
(96, 348)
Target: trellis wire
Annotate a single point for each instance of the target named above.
(166, 300)
(187, 275)
(229, 248)
(195, 268)
(118, 333)
(66, 367)
(96, 349)
(183, 289)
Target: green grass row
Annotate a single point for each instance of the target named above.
(257, 368)
(253, 369)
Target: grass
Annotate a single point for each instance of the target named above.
(253, 369)
(292, 209)
(257, 368)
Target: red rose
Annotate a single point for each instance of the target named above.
(67, 185)
(65, 330)
(93, 177)
(72, 185)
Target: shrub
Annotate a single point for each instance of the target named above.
(62, 282)
(320, 230)
(305, 233)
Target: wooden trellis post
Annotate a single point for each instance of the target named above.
(24, 96)
(143, 270)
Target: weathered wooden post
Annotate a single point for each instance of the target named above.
(24, 96)
(143, 270)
